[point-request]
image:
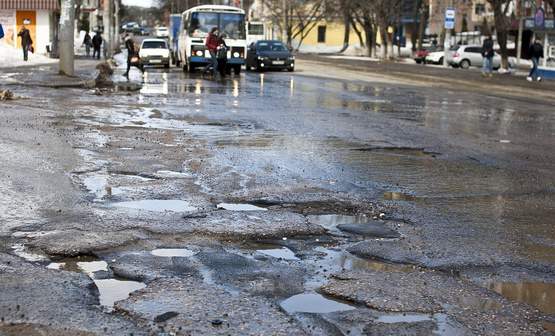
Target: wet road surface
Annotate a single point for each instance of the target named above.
(224, 185)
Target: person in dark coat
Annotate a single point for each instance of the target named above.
(97, 43)
(130, 46)
(26, 41)
(487, 54)
(536, 52)
(87, 42)
(222, 55)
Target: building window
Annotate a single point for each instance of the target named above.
(321, 34)
(480, 9)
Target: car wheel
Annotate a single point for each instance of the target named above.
(167, 66)
(418, 61)
(465, 64)
(237, 69)
(440, 62)
(290, 69)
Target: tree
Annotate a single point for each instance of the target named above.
(297, 18)
(502, 21)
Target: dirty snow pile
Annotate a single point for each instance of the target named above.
(12, 57)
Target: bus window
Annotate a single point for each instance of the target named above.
(233, 25)
(256, 29)
(202, 23)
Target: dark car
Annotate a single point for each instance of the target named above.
(269, 55)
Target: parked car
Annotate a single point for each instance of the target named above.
(269, 54)
(162, 32)
(471, 55)
(436, 57)
(154, 52)
(421, 54)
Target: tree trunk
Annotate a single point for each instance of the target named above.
(383, 47)
(358, 32)
(66, 38)
(347, 32)
(422, 24)
(370, 39)
(501, 31)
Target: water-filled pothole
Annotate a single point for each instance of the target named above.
(358, 225)
(157, 205)
(172, 252)
(240, 207)
(398, 196)
(444, 325)
(538, 294)
(280, 253)
(313, 303)
(110, 290)
(21, 251)
(410, 151)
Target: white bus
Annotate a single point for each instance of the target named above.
(197, 22)
(255, 31)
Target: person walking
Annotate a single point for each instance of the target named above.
(212, 44)
(26, 41)
(96, 43)
(487, 54)
(222, 55)
(536, 52)
(130, 46)
(87, 42)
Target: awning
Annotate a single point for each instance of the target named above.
(30, 4)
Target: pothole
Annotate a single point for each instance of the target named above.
(398, 196)
(110, 289)
(313, 303)
(358, 225)
(444, 325)
(157, 205)
(411, 151)
(240, 207)
(538, 294)
(279, 253)
(168, 174)
(172, 252)
(21, 251)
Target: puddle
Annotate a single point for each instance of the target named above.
(110, 290)
(157, 205)
(537, 294)
(240, 207)
(313, 303)
(20, 251)
(398, 196)
(420, 152)
(171, 174)
(99, 186)
(281, 253)
(113, 290)
(330, 222)
(184, 253)
(444, 325)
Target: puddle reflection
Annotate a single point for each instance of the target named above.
(172, 252)
(240, 207)
(537, 294)
(313, 303)
(157, 205)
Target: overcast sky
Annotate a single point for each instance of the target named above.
(143, 3)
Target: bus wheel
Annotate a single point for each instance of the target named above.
(237, 69)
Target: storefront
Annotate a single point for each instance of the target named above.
(37, 15)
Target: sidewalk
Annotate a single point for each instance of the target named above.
(456, 79)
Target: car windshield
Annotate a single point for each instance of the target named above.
(162, 29)
(154, 45)
(230, 24)
(271, 46)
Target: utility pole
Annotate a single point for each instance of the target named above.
(66, 38)
(447, 42)
(116, 24)
(520, 29)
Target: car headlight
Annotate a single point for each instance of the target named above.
(199, 53)
(262, 58)
(236, 54)
(291, 58)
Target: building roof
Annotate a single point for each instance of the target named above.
(29, 4)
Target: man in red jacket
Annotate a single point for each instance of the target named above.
(212, 42)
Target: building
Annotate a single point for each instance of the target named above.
(39, 16)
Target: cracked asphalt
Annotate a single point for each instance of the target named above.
(320, 202)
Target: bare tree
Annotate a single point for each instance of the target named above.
(297, 18)
(502, 22)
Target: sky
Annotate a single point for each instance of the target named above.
(142, 3)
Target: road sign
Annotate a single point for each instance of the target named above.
(450, 18)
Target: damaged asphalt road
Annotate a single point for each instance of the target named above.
(275, 204)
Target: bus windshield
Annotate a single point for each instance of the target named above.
(231, 24)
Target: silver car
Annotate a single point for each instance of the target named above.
(471, 55)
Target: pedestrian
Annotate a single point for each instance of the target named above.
(26, 42)
(222, 55)
(536, 52)
(487, 54)
(130, 46)
(212, 43)
(87, 42)
(97, 43)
